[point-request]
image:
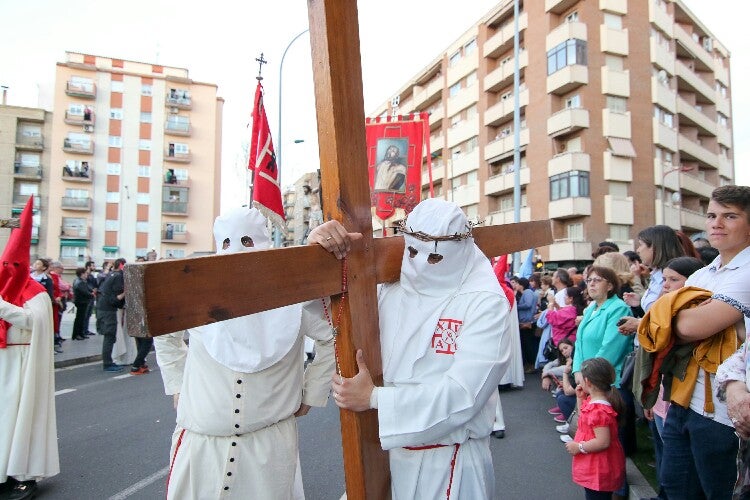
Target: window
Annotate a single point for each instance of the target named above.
(174, 194)
(470, 47)
(572, 17)
(573, 101)
(664, 117)
(178, 253)
(141, 252)
(113, 168)
(721, 89)
(111, 225)
(117, 87)
(115, 141)
(181, 174)
(30, 160)
(572, 184)
(455, 153)
(454, 89)
(619, 232)
(722, 119)
(28, 189)
(141, 227)
(617, 104)
(145, 117)
(613, 21)
(77, 193)
(506, 96)
(74, 226)
(615, 63)
(115, 113)
(454, 58)
(144, 144)
(73, 253)
(471, 79)
(472, 178)
(455, 119)
(575, 232)
(472, 144)
(180, 148)
(76, 109)
(471, 112)
(113, 197)
(30, 131)
(108, 255)
(144, 171)
(570, 52)
(146, 89)
(143, 198)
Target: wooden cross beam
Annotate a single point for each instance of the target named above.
(10, 223)
(171, 295)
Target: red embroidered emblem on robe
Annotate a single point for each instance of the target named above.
(445, 336)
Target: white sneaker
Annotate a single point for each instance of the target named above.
(565, 438)
(563, 428)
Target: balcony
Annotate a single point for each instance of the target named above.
(724, 136)
(174, 207)
(558, 7)
(436, 117)
(465, 98)
(617, 168)
(567, 121)
(567, 250)
(80, 89)
(171, 236)
(464, 196)
(690, 150)
(462, 132)
(437, 174)
(663, 175)
(664, 136)
(502, 40)
(427, 94)
(661, 56)
(694, 82)
(691, 116)
(75, 233)
(669, 215)
(567, 79)
(76, 203)
(567, 162)
(615, 6)
(80, 148)
(721, 73)
(616, 124)
(177, 157)
(722, 105)
(22, 172)
(20, 200)
(463, 67)
(695, 185)
(84, 119)
(502, 217)
(184, 183)
(726, 167)
(179, 99)
(177, 128)
(565, 32)
(26, 143)
(503, 109)
(692, 220)
(568, 208)
(82, 176)
(503, 183)
(614, 41)
(618, 209)
(464, 163)
(662, 95)
(615, 82)
(659, 17)
(502, 76)
(504, 146)
(703, 57)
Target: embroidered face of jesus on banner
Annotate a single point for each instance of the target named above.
(394, 158)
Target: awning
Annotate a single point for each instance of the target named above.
(74, 243)
(110, 249)
(621, 147)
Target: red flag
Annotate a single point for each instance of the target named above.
(266, 188)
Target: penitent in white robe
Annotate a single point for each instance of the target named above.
(28, 428)
(236, 434)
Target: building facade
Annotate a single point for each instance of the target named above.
(25, 169)
(135, 159)
(302, 208)
(625, 119)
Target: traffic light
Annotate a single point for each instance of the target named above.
(539, 265)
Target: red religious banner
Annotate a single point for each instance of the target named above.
(394, 159)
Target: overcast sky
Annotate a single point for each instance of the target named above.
(220, 45)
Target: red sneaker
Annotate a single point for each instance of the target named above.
(139, 371)
(555, 410)
(560, 419)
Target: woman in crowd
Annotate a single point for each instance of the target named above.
(526, 303)
(628, 284)
(40, 274)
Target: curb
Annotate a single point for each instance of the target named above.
(639, 487)
(65, 363)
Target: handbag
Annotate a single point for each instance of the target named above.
(550, 351)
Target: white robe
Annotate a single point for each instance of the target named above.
(514, 374)
(28, 428)
(236, 434)
(447, 395)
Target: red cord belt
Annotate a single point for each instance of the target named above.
(453, 460)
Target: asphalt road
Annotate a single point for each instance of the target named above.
(114, 433)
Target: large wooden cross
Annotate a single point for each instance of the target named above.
(172, 295)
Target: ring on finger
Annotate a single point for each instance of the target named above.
(329, 238)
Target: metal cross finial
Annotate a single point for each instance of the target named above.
(261, 62)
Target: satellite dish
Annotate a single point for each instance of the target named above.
(662, 76)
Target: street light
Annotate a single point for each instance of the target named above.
(679, 168)
(281, 68)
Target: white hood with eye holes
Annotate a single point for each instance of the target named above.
(250, 343)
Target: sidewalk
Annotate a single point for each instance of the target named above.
(76, 352)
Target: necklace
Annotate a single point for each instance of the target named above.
(335, 328)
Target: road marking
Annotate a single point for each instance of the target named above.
(64, 391)
(122, 376)
(140, 484)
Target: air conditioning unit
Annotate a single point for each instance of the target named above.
(88, 128)
(174, 110)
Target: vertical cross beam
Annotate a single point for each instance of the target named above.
(337, 72)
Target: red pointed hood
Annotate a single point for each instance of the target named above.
(16, 286)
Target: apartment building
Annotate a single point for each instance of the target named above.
(24, 168)
(625, 119)
(135, 159)
(302, 208)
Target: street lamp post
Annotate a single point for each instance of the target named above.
(665, 173)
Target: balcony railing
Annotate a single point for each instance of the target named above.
(34, 143)
(177, 128)
(80, 175)
(78, 89)
(20, 171)
(22, 199)
(171, 156)
(179, 100)
(75, 203)
(85, 148)
(174, 207)
(84, 119)
(75, 233)
(170, 236)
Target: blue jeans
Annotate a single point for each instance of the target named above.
(566, 404)
(698, 459)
